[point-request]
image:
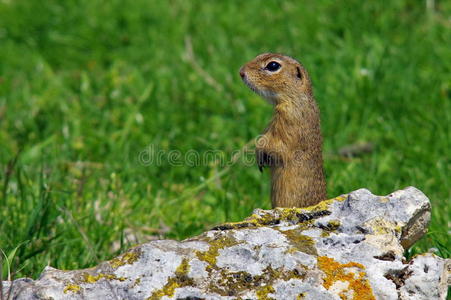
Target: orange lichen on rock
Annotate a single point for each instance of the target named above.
(358, 285)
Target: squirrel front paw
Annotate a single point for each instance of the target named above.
(266, 159)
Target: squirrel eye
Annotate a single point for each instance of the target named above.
(273, 66)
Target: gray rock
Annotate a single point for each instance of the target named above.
(349, 247)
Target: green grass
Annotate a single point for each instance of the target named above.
(86, 86)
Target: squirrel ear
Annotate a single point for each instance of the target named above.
(299, 73)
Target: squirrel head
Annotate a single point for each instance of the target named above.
(277, 78)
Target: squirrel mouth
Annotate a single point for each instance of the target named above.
(250, 85)
(269, 96)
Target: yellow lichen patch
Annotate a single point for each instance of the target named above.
(324, 205)
(167, 290)
(381, 226)
(279, 214)
(289, 214)
(88, 278)
(137, 281)
(296, 215)
(331, 226)
(252, 221)
(341, 198)
(336, 272)
(183, 268)
(72, 288)
(301, 242)
(233, 283)
(292, 250)
(262, 293)
(212, 253)
(126, 258)
(179, 280)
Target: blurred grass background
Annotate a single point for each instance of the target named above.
(86, 86)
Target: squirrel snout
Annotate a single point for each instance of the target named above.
(242, 73)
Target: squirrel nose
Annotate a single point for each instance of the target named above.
(242, 73)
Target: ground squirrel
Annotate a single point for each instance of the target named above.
(292, 143)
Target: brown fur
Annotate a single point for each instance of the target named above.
(292, 143)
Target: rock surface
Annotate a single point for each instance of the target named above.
(349, 247)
